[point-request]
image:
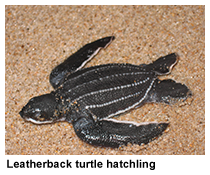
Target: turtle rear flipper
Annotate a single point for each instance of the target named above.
(163, 65)
(168, 91)
(77, 60)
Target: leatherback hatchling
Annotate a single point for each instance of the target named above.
(88, 98)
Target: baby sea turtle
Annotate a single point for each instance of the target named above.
(89, 97)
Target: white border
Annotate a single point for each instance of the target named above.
(164, 164)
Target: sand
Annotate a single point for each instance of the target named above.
(37, 38)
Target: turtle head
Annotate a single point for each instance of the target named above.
(40, 109)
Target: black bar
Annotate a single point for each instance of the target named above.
(80, 164)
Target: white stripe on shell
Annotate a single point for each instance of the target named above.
(113, 88)
(111, 102)
(134, 105)
(107, 66)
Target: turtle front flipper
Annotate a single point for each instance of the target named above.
(78, 60)
(163, 65)
(168, 91)
(113, 133)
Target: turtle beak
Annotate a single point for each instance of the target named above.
(21, 113)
